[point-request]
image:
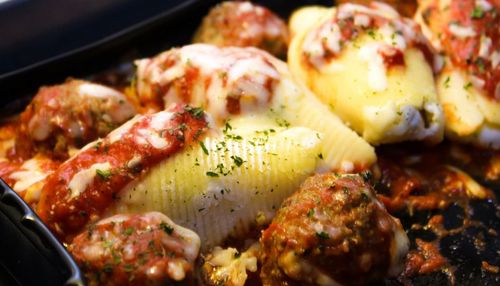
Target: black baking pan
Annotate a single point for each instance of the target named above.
(30, 255)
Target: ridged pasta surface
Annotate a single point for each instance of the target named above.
(218, 187)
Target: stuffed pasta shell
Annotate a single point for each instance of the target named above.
(467, 34)
(247, 84)
(84, 186)
(363, 61)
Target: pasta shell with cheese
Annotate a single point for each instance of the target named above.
(363, 62)
(218, 187)
(341, 148)
(468, 83)
(244, 82)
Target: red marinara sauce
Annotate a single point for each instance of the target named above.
(81, 189)
(244, 24)
(350, 21)
(137, 249)
(469, 33)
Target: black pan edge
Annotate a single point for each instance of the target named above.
(39, 246)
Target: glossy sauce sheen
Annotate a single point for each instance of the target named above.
(101, 170)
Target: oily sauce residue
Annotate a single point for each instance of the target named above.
(420, 186)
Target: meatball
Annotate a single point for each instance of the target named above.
(244, 24)
(70, 115)
(147, 249)
(331, 231)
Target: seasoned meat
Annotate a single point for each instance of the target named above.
(243, 24)
(70, 115)
(147, 249)
(332, 231)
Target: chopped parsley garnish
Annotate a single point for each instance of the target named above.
(372, 34)
(98, 145)
(237, 254)
(128, 267)
(310, 213)
(477, 13)
(367, 176)
(128, 231)
(237, 160)
(212, 174)
(197, 112)
(204, 148)
(365, 196)
(468, 85)
(322, 235)
(447, 82)
(227, 127)
(104, 174)
(480, 65)
(166, 228)
(282, 122)
(108, 268)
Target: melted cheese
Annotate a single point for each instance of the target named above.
(461, 32)
(119, 132)
(484, 5)
(229, 267)
(84, 178)
(377, 77)
(484, 48)
(96, 90)
(223, 73)
(29, 174)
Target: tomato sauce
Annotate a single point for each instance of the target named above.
(352, 21)
(470, 36)
(66, 212)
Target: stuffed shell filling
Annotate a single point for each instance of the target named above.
(368, 56)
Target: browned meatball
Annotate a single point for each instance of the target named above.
(146, 249)
(70, 114)
(331, 231)
(244, 24)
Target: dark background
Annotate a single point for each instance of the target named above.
(45, 42)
